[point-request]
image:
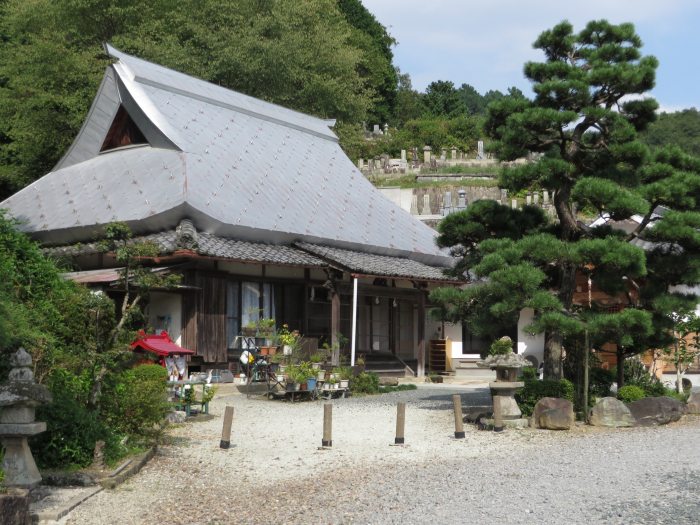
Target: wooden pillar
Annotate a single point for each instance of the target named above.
(420, 372)
(335, 328)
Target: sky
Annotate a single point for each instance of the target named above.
(485, 43)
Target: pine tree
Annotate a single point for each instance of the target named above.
(582, 128)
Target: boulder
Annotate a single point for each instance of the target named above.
(553, 413)
(652, 411)
(611, 412)
(693, 406)
(176, 417)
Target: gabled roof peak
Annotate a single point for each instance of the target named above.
(162, 78)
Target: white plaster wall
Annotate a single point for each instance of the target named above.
(688, 290)
(163, 304)
(529, 344)
(453, 332)
(393, 194)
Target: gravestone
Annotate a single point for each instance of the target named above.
(426, 154)
(426, 204)
(480, 150)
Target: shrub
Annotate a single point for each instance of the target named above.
(600, 381)
(529, 373)
(635, 373)
(535, 390)
(365, 382)
(680, 396)
(502, 346)
(136, 400)
(630, 393)
(71, 429)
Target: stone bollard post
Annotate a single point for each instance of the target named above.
(459, 423)
(400, 423)
(226, 431)
(327, 440)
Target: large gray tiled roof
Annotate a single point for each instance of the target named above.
(240, 168)
(377, 265)
(185, 239)
(207, 245)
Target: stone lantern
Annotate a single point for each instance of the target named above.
(19, 396)
(504, 388)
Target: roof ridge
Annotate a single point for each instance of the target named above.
(145, 80)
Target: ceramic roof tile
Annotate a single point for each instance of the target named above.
(377, 265)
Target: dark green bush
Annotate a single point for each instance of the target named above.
(135, 400)
(71, 429)
(630, 393)
(534, 390)
(635, 373)
(365, 383)
(600, 381)
(528, 373)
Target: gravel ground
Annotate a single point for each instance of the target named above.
(275, 472)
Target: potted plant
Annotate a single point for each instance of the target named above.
(343, 374)
(316, 359)
(250, 329)
(288, 339)
(293, 375)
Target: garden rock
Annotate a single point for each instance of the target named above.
(176, 417)
(552, 413)
(693, 406)
(652, 411)
(611, 412)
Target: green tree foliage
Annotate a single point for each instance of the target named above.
(376, 65)
(409, 103)
(442, 99)
(586, 137)
(301, 54)
(680, 129)
(76, 343)
(472, 100)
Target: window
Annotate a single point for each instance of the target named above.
(122, 132)
(247, 302)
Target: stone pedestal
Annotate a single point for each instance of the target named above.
(18, 463)
(18, 398)
(502, 393)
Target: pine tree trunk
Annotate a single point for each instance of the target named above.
(553, 353)
(554, 341)
(620, 368)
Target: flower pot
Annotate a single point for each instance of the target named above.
(264, 350)
(321, 375)
(311, 384)
(279, 378)
(344, 383)
(303, 386)
(316, 366)
(249, 331)
(287, 349)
